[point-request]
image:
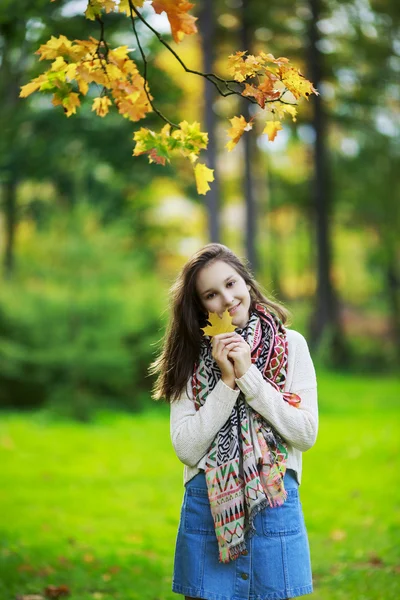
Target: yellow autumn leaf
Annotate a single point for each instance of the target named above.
(218, 324)
(239, 126)
(242, 66)
(32, 86)
(203, 175)
(296, 83)
(55, 47)
(280, 110)
(69, 103)
(124, 6)
(100, 105)
(271, 129)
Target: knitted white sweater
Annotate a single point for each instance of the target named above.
(193, 431)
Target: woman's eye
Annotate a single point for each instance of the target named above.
(231, 283)
(210, 296)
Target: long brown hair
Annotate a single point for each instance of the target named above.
(182, 341)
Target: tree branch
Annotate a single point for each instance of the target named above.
(209, 76)
(159, 113)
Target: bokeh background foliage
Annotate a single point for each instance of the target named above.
(91, 240)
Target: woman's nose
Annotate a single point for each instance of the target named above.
(228, 298)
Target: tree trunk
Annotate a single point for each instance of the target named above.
(206, 24)
(393, 287)
(10, 79)
(10, 218)
(248, 179)
(325, 324)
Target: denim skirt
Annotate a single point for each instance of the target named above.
(276, 566)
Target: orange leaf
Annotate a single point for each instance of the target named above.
(177, 12)
(56, 591)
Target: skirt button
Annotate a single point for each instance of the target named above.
(244, 576)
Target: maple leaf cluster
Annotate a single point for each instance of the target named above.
(274, 86)
(188, 140)
(77, 65)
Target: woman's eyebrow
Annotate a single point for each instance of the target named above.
(211, 289)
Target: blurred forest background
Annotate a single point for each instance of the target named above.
(91, 239)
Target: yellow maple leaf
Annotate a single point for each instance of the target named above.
(95, 7)
(242, 66)
(69, 103)
(124, 6)
(203, 175)
(271, 58)
(191, 139)
(280, 110)
(100, 105)
(239, 126)
(177, 12)
(32, 86)
(218, 324)
(271, 129)
(296, 83)
(54, 48)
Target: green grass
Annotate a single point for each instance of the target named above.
(95, 507)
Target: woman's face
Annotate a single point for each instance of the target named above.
(220, 287)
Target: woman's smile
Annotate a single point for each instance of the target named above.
(233, 310)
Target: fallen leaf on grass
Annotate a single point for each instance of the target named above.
(25, 568)
(137, 570)
(56, 591)
(45, 571)
(30, 597)
(134, 538)
(375, 560)
(7, 443)
(114, 570)
(337, 535)
(88, 558)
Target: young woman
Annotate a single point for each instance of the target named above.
(243, 409)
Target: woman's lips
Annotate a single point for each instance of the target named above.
(233, 310)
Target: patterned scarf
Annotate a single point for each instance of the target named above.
(238, 485)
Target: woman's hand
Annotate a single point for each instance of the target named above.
(233, 356)
(221, 345)
(240, 353)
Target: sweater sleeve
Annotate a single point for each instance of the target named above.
(193, 431)
(297, 425)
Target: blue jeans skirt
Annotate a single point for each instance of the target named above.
(277, 565)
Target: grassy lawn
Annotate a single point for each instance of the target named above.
(95, 507)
